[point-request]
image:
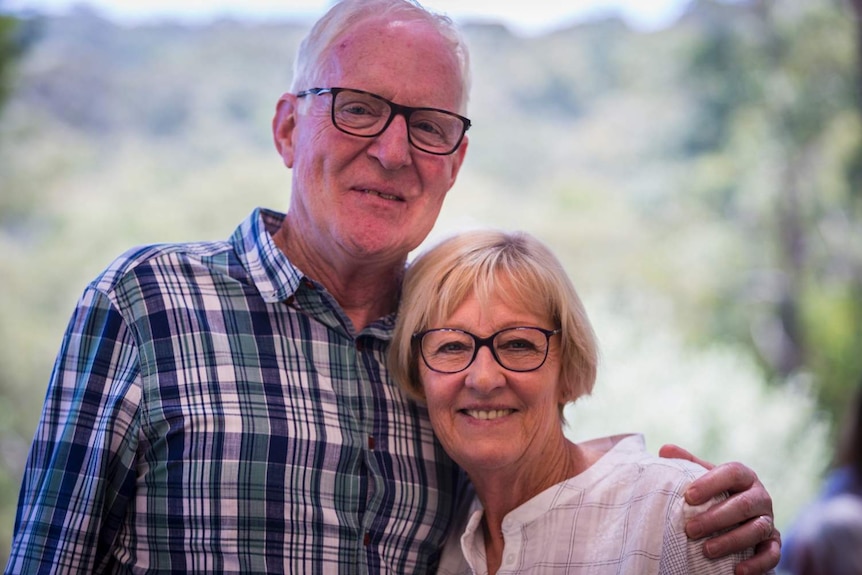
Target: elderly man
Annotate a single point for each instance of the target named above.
(224, 407)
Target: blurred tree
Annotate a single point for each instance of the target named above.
(10, 50)
(848, 348)
(776, 140)
(12, 42)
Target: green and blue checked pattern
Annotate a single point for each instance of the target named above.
(212, 411)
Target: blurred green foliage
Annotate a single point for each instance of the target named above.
(698, 178)
(9, 52)
(777, 89)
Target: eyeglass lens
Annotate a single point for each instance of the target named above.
(363, 114)
(452, 350)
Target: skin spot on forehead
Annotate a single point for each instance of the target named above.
(385, 32)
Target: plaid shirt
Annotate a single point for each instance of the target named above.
(212, 410)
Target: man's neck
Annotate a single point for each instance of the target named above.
(365, 290)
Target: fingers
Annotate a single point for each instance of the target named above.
(734, 478)
(766, 556)
(747, 535)
(744, 513)
(672, 451)
(745, 517)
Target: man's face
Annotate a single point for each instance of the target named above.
(373, 199)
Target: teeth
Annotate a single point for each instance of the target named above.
(382, 195)
(493, 414)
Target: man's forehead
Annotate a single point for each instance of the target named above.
(394, 60)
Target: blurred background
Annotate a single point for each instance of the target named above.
(699, 173)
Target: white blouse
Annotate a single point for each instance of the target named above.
(625, 514)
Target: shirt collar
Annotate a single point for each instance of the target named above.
(272, 273)
(274, 276)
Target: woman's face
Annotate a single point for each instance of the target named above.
(488, 417)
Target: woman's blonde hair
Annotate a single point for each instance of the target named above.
(513, 265)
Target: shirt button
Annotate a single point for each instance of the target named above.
(367, 539)
(371, 442)
(510, 558)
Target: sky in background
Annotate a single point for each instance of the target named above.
(524, 16)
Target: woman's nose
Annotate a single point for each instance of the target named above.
(485, 374)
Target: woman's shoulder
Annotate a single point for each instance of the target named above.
(628, 452)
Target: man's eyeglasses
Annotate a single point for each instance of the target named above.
(367, 115)
(448, 350)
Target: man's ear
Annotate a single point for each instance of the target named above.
(458, 157)
(283, 124)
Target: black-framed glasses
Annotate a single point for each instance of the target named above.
(367, 115)
(449, 350)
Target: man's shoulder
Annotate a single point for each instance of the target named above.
(163, 262)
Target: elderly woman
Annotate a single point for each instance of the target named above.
(493, 338)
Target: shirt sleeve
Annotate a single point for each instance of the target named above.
(686, 555)
(80, 473)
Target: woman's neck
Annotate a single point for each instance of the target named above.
(503, 492)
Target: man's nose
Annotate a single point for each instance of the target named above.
(393, 148)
